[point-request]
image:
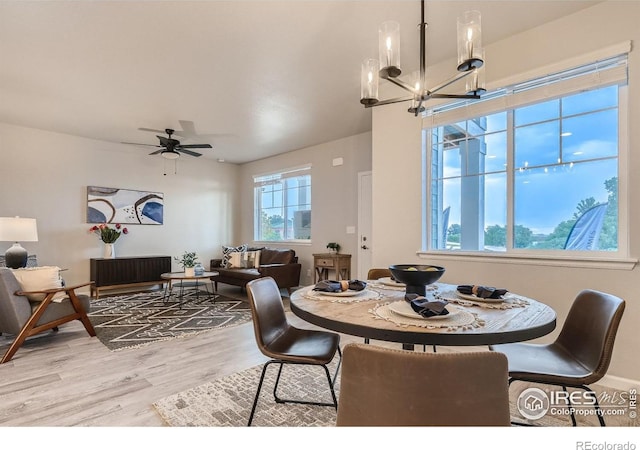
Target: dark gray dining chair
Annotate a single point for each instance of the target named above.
(286, 344)
(23, 318)
(581, 353)
(381, 386)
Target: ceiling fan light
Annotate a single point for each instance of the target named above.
(170, 154)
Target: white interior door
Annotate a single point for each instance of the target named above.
(364, 224)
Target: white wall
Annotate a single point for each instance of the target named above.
(396, 154)
(45, 175)
(334, 195)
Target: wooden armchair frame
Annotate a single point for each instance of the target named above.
(31, 328)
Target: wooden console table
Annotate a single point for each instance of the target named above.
(338, 262)
(127, 272)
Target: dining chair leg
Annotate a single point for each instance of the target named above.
(304, 402)
(335, 376)
(255, 400)
(573, 416)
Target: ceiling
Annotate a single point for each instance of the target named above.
(251, 78)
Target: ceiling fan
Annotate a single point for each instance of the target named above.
(171, 148)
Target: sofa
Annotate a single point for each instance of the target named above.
(280, 264)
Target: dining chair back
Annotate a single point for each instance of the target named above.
(581, 353)
(377, 273)
(391, 387)
(284, 343)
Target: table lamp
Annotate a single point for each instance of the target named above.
(14, 229)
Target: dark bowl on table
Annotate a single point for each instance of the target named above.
(416, 280)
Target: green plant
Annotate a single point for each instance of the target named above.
(334, 246)
(188, 259)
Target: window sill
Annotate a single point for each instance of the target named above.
(591, 262)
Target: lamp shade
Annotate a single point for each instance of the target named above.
(18, 229)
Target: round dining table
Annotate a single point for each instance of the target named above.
(381, 312)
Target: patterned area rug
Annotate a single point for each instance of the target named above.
(227, 402)
(127, 321)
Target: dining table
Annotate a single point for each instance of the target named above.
(380, 312)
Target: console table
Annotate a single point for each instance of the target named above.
(338, 262)
(127, 272)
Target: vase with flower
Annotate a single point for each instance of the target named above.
(109, 235)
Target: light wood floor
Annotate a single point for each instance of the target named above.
(70, 379)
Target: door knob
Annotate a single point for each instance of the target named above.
(364, 247)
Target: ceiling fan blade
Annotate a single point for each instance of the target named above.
(196, 146)
(151, 129)
(163, 140)
(188, 152)
(157, 151)
(136, 143)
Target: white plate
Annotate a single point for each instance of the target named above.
(403, 308)
(387, 281)
(347, 293)
(475, 298)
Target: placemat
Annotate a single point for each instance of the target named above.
(510, 301)
(362, 296)
(463, 319)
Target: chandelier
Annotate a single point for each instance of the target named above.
(470, 65)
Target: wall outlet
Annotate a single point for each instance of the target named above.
(308, 272)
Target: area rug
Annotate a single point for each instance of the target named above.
(226, 402)
(126, 321)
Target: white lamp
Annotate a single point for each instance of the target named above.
(14, 229)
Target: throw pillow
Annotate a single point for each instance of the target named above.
(226, 251)
(39, 279)
(244, 260)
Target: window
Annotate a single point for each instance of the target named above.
(283, 205)
(533, 168)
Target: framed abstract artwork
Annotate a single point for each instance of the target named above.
(114, 205)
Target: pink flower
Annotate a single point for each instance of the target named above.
(125, 231)
(118, 226)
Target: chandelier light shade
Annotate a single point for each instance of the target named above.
(470, 63)
(469, 41)
(369, 81)
(475, 82)
(14, 229)
(389, 49)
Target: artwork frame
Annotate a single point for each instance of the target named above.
(125, 206)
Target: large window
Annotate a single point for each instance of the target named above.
(534, 168)
(283, 205)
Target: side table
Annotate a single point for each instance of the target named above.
(181, 281)
(340, 263)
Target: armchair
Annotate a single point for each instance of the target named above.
(24, 318)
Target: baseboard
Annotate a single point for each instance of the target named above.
(623, 384)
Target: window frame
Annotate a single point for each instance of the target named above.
(263, 179)
(503, 102)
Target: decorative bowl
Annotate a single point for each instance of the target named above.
(416, 276)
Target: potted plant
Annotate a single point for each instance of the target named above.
(333, 247)
(188, 262)
(109, 236)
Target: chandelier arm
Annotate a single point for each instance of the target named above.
(450, 81)
(390, 101)
(402, 84)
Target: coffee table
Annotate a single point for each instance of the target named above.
(182, 281)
